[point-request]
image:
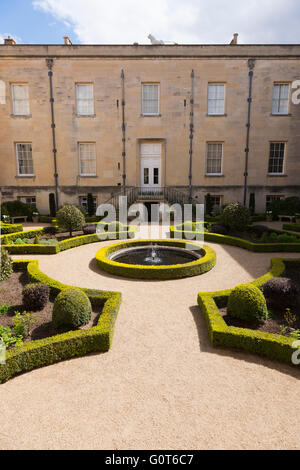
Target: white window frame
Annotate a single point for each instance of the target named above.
(284, 158)
(24, 175)
(206, 159)
(224, 99)
(279, 100)
(158, 98)
(12, 86)
(92, 99)
(79, 156)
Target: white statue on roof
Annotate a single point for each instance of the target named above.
(155, 41)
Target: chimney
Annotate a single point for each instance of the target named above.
(9, 41)
(235, 39)
(67, 41)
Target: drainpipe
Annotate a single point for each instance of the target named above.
(251, 65)
(123, 133)
(191, 139)
(49, 63)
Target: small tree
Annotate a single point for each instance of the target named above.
(208, 204)
(236, 217)
(52, 205)
(70, 218)
(252, 203)
(90, 204)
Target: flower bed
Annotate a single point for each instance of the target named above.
(264, 344)
(10, 228)
(39, 353)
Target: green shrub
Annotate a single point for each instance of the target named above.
(35, 296)
(236, 217)
(6, 265)
(289, 206)
(90, 205)
(36, 240)
(52, 205)
(17, 208)
(72, 308)
(70, 218)
(247, 302)
(11, 228)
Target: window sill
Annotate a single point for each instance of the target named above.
(211, 175)
(277, 175)
(25, 176)
(216, 115)
(281, 115)
(26, 116)
(150, 115)
(85, 115)
(88, 176)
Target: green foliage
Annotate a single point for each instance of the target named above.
(52, 205)
(22, 241)
(17, 208)
(247, 302)
(289, 206)
(72, 309)
(4, 309)
(35, 296)
(11, 228)
(236, 217)
(292, 227)
(252, 203)
(22, 323)
(208, 204)
(70, 218)
(255, 342)
(197, 267)
(6, 265)
(36, 240)
(90, 205)
(9, 337)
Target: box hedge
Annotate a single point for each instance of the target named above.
(194, 268)
(178, 233)
(35, 354)
(273, 346)
(10, 228)
(292, 227)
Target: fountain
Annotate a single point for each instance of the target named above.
(156, 259)
(154, 255)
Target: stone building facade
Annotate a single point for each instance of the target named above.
(122, 114)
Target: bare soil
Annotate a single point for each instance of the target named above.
(11, 293)
(274, 324)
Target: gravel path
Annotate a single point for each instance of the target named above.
(162, 385)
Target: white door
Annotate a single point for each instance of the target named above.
(151, 166)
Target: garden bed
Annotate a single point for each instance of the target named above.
(275, 346)
(11, 294)
(74, 343)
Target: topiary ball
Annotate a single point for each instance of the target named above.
(281, 292)
(35, 296)
(72, 308)
(236, 217)
(248, 303)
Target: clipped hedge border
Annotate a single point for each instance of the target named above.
(233, 241)
(292, 227)
(58, 348)
(10, 228)
(256, 342)
(60, 246)
(194, 268)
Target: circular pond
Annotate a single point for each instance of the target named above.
(156, 259)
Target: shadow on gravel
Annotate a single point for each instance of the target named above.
(206, 346)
